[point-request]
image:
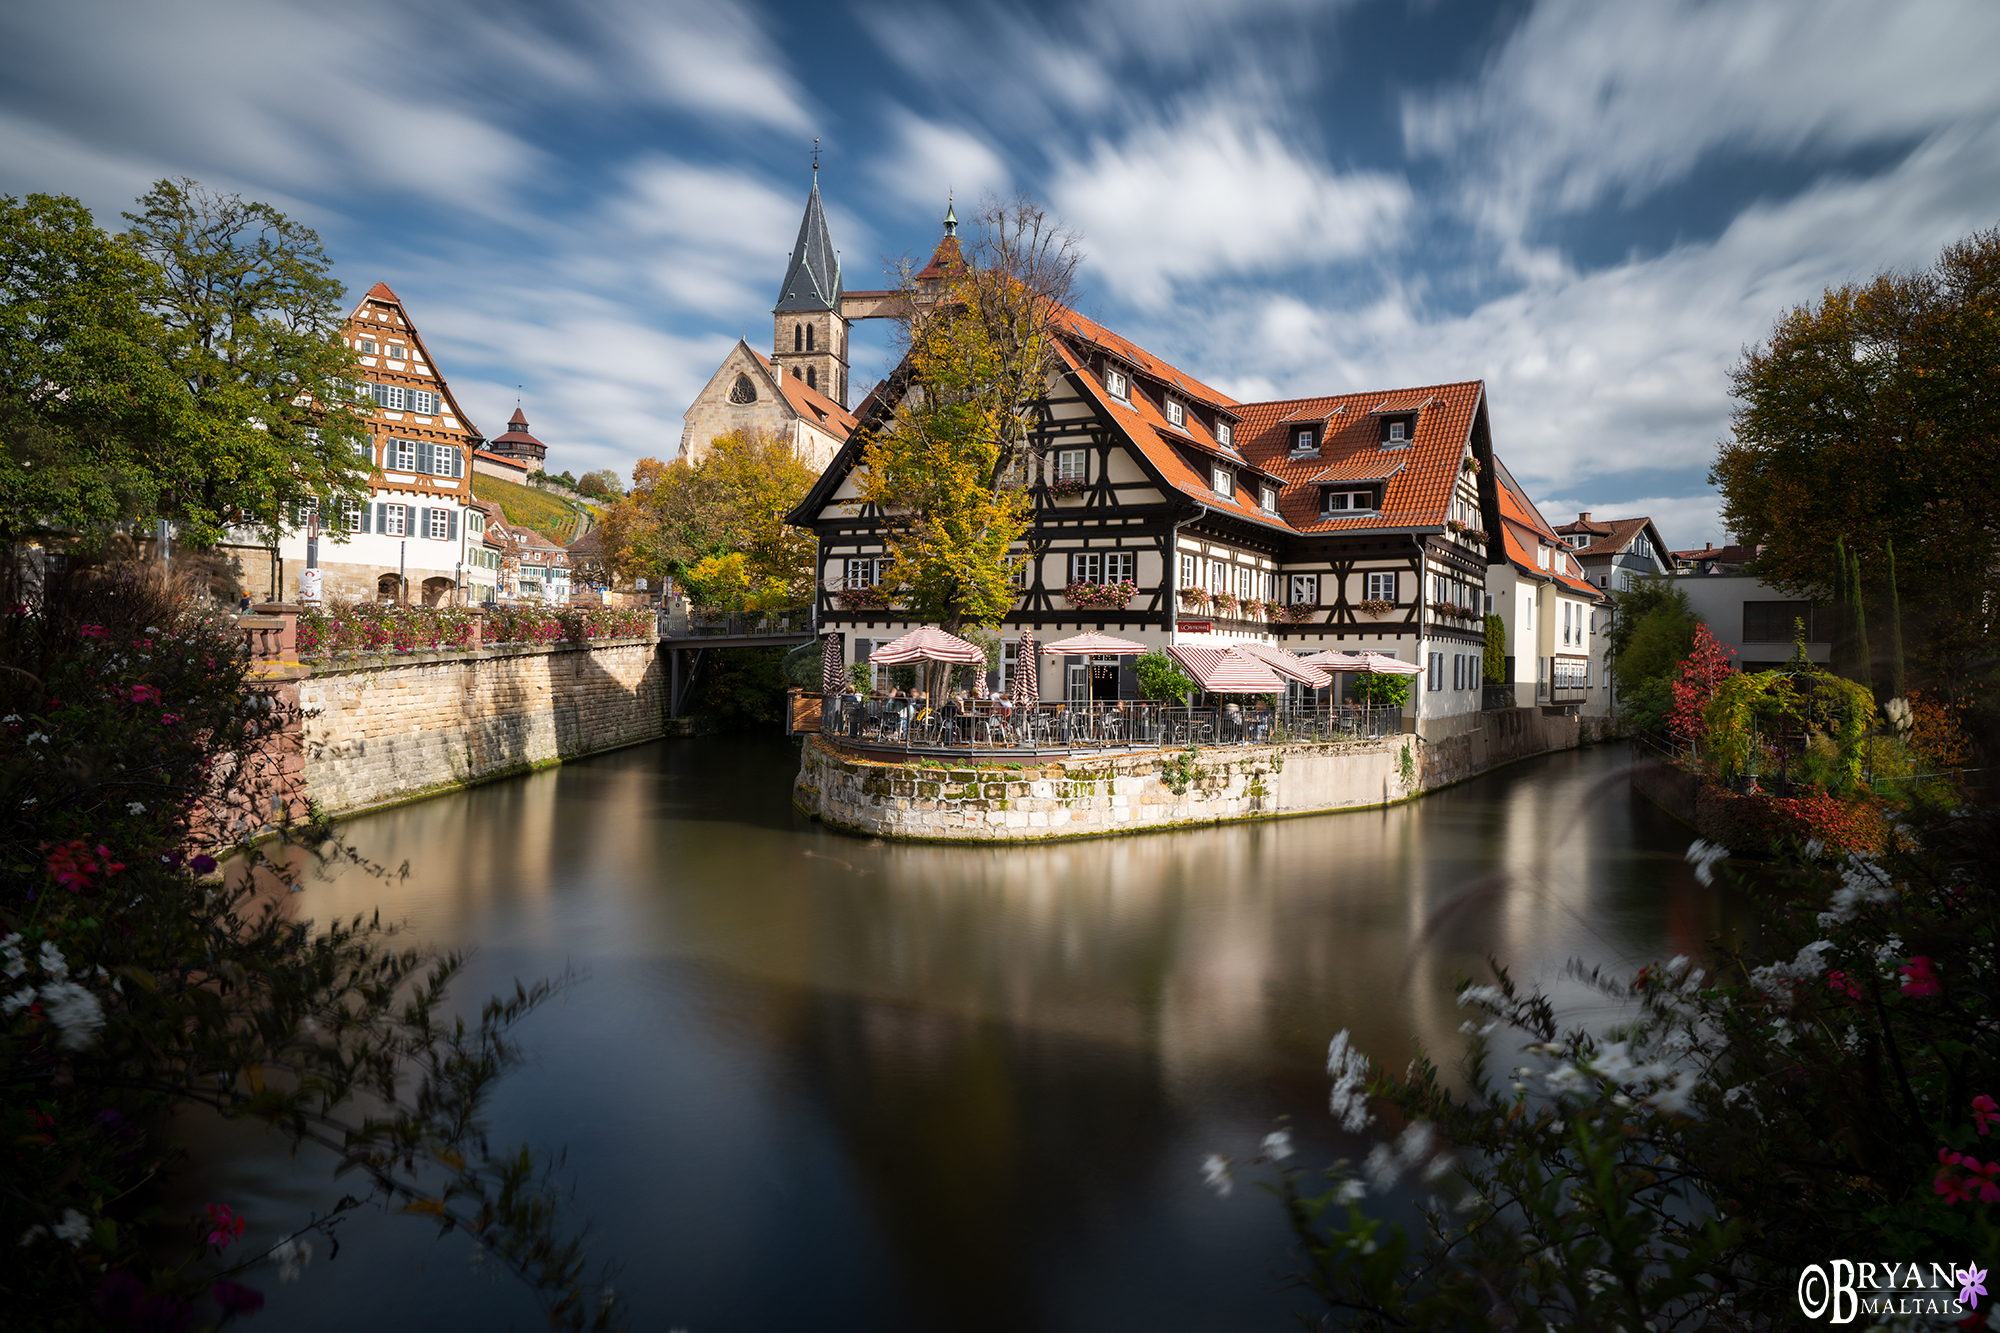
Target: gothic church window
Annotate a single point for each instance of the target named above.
(812, 378)
(743, 391)
(798, 337)
(809, 337)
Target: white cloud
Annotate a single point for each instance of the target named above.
(715, 60)
(927, 160)
(1218, 193)
(1587, 101)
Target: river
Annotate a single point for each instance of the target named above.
(807, 1081)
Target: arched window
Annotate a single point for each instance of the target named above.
(812, 378)
(798, 337)
(809, 337)
(743, 391)
(795, 372)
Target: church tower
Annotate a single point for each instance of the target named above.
(808, 333)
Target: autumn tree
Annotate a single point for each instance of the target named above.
(951, 466)
(732, 503)
(1871, 416)
(250, 318)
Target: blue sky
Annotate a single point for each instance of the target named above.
(1592, 206)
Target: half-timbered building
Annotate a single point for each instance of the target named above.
(1169, 512)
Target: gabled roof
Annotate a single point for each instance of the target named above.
(380, 292)
(1523, 529)
(808, 402)
(1607, 536)
(812, 282)
(1418, 478)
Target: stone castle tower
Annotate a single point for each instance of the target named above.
(808, 331)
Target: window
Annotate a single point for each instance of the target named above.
(1218, 576)
(809, 337)
(743, 391)
(1347, 502)
(798, 337)
(475, 522)
(365, 449)
(393, 520)
(367, 347)
(1274, 587)
(863, 572)
(1304, 442)
(395, 351)
(423, 402)
(1642, 546)
(1120, 566)
(1190, 571)
(1086, 567)
(1382, 586)
(1267, 500)
(1305, 589)
(1069, 465)
(1117, 385)
(400, 456)
(303, 513)
(1176, 413)
(1772, 622)
(1437, 671)
(1224, 482)
(1225, 434)
(1245, 583)
(1395, 432)
(350, 515)
(390, 396)
(1458, 671)
(1018, 575)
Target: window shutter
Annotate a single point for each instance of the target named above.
(367, 516)
(382, 517)
(451, 525)
(423, 456)
(457, 462)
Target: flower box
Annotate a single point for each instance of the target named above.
(861, 599)
(1068, 488)
(1375, 606)
(1456, 525)
(1298, 613)
(1194, 597)
(1224, 603)
(1470, 465)
(1100, 596)
(1478, 535)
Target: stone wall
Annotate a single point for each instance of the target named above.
(383, 729)
(1084, 796)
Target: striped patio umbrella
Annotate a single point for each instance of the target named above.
(1227, 671)
(1027, 688)
(1286, 664)
(832, 679)
(1094, 643)
(1384, 665)
(929, 644)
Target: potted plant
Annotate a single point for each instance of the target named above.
(1224, 603)
(1478, 535)
(1470, 465)
(1375, 606)
(1066, 488)
(1195, 599)
(1100, 596)
(1299, 613)
(861, 599)
(1456, 525)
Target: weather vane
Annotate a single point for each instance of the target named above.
(815, 154)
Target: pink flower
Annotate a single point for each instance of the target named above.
(144, 694)
(170, 719)
(1920, 978)
(1986, 1175)
(1955, 1189)
(224, 1225)
(1840, 981)
(93, 632)
(1984, 1111)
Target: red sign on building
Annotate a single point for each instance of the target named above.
(1195, 626)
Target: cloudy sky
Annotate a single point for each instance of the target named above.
(1593, 206)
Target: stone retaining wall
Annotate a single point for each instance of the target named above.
(382, 729)
(1083, 796)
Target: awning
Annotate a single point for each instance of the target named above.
(1286, 664)
(929, 644)
(1226, 671)
(1093, 642)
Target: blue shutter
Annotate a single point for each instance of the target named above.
(457, 465)
(424, 456)
(451, 530)
(382, 517)
(367, 516)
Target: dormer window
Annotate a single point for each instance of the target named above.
(1224, 482)
(1345, 504)
(1176, 414)
(1117, 385)
(1397, 431)
(1267, 499)
(1305, 441)
(1225, 434)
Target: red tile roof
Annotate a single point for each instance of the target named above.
(810, 402)
(380, 291)
(1522, 530)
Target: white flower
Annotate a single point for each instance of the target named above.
(74, 1228)
(1481, 995)
(1613, 1062)
(292, 1255)
(1278, 1144)
(1472, 1029)
(1350, 1191)
(76, 1012)
(52, 960)
(11, 960)
(1439, 1167)
(136, 807)
(1215, 1174)
(1382, 1167)
(1702, 855)
(11, 717)
(1348, 1101)
(1566, 1078)
(33, 1233)
(1673, 1099)
(36, 738)
(18, 1001)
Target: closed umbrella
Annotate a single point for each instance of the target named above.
(1027, 689)
(832, 680)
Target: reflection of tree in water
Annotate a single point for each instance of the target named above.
(968, 1136)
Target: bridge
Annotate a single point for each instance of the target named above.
(686, 639)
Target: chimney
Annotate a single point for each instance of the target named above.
(1709, 547)
(1583, 518)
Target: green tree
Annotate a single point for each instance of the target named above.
(1652, 629)
(1494, 663)
(602, 484)
(86, 402)
(1381, 691)
(1160, 677)
(952, 467)
(250, 317)
(1872, 415)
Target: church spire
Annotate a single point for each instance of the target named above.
(812, 282)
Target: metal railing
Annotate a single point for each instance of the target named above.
(1062, 728)
(703, 622)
